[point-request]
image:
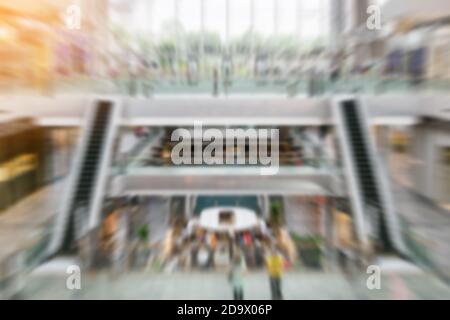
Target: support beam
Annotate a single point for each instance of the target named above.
(329, 233)
(234, 110)
(177, 181)
(188, 206)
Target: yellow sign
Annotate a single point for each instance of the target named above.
(17, 166)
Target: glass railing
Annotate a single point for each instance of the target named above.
(303, 85)
(422, 250)
(290, 86)
(37, 253)
(307, 165)
(147, 87)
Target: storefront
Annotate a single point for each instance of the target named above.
(22, 160)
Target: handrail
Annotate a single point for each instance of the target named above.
(67, 197)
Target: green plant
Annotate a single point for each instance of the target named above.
(309, 250)
(307, 241)
(276, 213)
(143, 233)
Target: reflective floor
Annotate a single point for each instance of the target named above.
(399, 281)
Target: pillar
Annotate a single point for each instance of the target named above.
(337, 23)
(87, 249)
(188, 207)
(329, 232)
(120, 253)
(383, 143)
(266, 207)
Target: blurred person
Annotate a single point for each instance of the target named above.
(274, 263)
(260, 67)
(142, 249)
(248, 240)
(203, 257)
(230, 240)
(185, 258)
(227, 72)
(416, 66)
(133, 73)
(147, 76)
(223, 255)
(215, 82)
(213, 241)
(236, 277)
(312, 82)
(335, 68)
(172, 264)
(259, 254)
(192, 71)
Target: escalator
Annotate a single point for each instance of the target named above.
(82, 200)
(371, 200)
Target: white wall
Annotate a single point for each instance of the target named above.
(428, 142)
(416, 9)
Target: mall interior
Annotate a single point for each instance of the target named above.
(94, 95)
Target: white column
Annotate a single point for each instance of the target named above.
(121, 242)
(252, 35)
(383, 142)
(323, 219)
(202, 38)
(177, 39)
(266, 206)
(187, 207)
(151, 6)
(275, 17)
(298, 21)
(227, 24)
(330, 233)
(337, 25)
